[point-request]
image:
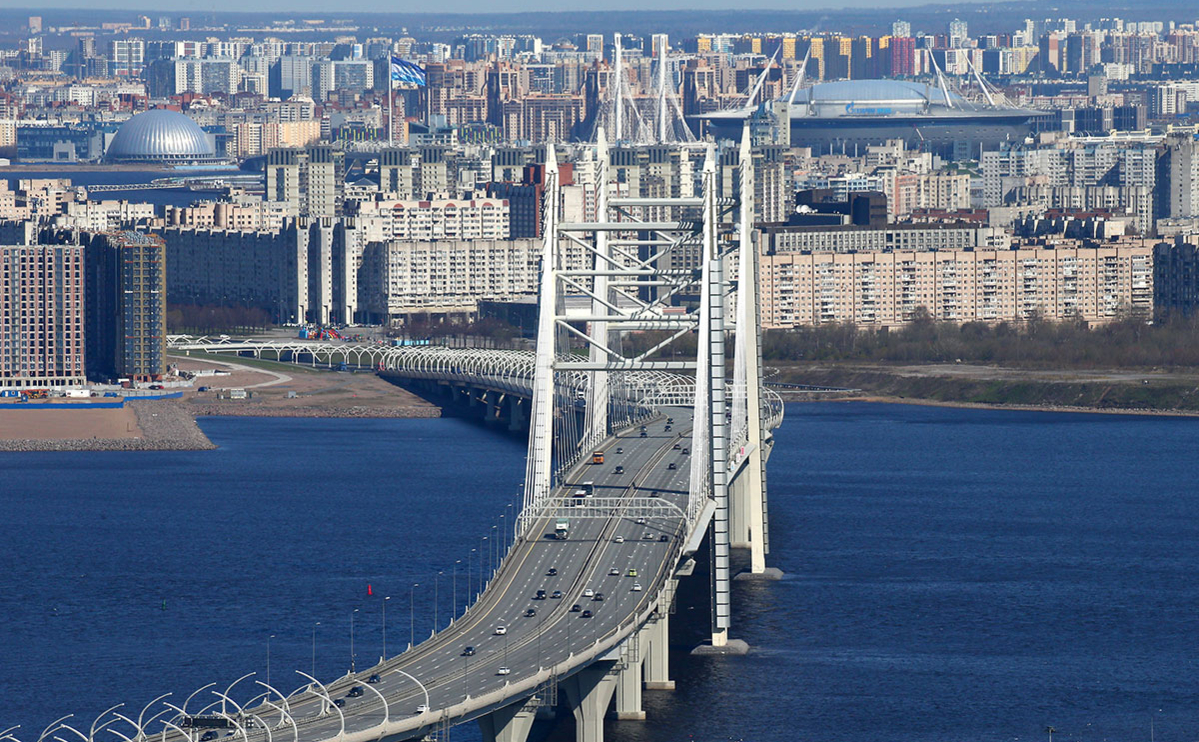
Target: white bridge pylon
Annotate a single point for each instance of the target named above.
(663, 277)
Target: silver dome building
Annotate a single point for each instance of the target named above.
(161, 137)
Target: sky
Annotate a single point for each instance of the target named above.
(457, 6)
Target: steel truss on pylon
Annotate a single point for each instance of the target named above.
(649, 265)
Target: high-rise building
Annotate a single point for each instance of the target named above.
(126, 57)
(126, 305)
(41, 316)
(957, 33)
(901, 29)
(1177, 191)
(35, 24)
(308, 180)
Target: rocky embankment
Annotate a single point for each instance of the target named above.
(165, 426)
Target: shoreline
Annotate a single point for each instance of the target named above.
(923, 402)
(211, 409)
(164, 426)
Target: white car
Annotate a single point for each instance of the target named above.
(619, 539)
(422, 709)
(636, 587)
(501, 630)
(504, 671)
(613, 572)
(588, 593)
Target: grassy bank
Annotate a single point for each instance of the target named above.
(1152, 392)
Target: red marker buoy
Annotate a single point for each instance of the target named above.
(369, 591)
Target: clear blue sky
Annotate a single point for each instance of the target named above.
(317, 7)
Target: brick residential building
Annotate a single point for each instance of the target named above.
(41, 316)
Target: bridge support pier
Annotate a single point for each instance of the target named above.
(656, 655)
(509, 724)
(739, 499)
(516, 414)
(589, 693)
(628, 681)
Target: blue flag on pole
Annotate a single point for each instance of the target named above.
(403, 71)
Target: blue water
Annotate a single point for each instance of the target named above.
(951, 574)
(93, 176)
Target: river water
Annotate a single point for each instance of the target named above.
(951, 574)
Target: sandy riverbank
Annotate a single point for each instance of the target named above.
(147, 425)
(290, 390)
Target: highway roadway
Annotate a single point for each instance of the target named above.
(612, 556)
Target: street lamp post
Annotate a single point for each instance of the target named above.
(503, 537)
(495, 546)
(268, 658)
(385, 626)
(470, 580)
(412, 615)
(318, 623)
(455, 589)
(482, 544)
(355, 611)
(436, 595)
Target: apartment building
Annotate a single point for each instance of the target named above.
(305, 271)
(885, 289)
(41, 316)
(475, 217)
(126, 301)
(399, 278)
(783, 239)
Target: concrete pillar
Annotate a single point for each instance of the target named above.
(656, 653)
(516, 414)
(486, 403)
(589, 693)
(739, 517)
(628, 684)
(509, 724)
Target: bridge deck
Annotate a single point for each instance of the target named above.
(462, 687)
